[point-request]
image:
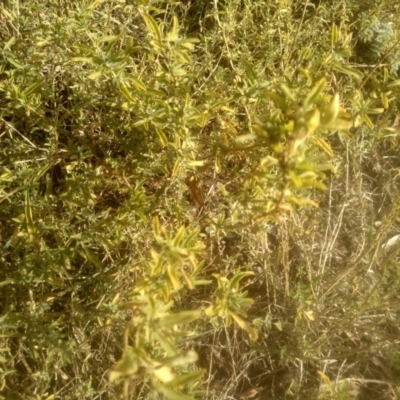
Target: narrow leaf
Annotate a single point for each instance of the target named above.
(9, 43)
(179, 318)
(234, 283)
(314, 93)
(152, 26)
(324, 146)
(161, 136)
(172, 394)
(28, 215)
(245, 326)
(186, 379)
(92, 257)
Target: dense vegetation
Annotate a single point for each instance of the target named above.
(199, 199)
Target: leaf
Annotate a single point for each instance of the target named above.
(172, 35)
(331, 111)
(278, 325)
(198, 163)
(94, 4)
(277, 99)
(92, 257)
(161, 136)
(172, 394)
(9, 43)
(180, 359)
(156, 227)
(341, 124)
(385, 100)
(173, 276)
(189, 280)
(287, 92)
(324, 146)
(309, 315)
(314, 93)
(128, 365)
(392, 241)
(246, 137)
(28, 215)
(15, 63)
(326, 380)
(164, 374)
(126, 93)
(234, 282)
(84, 59)
(394, 84)
(244, 325)
(109, 38)
(368, 121)
(334, 35)
(176, 241)
(250, 73)
(303, 202)
(95, 75)
(186, 378)
(358, 75)
(7, 282)
(183, 317)
(152, 26)
(312, 120)
(32, 88)
(178, 71)
(139, 85)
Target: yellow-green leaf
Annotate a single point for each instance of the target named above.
(164, 374)
(28, 215)
(368, 121)
(172, 394)
(152, 26)
(172, 35)
(126, 93)
(334, 35)
(183, 317)
(186, 378)
(95, 75)
(309, 315)
(385, 100)
(245, 326)
(315, 92)
(94, 4)
(128, 365)
(156, 226)
(324, 146)
(326, 380)
(313, 120)
(234, 282)
(9, 43)
(173, 276)
(358, 75)
(161, 136)
(287, 92)
(331, 111)
(92, 257)
(277, 99)
(187, 357)
(108, 38)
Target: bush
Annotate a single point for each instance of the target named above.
(199, 200)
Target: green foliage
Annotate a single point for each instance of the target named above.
(199, 200)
